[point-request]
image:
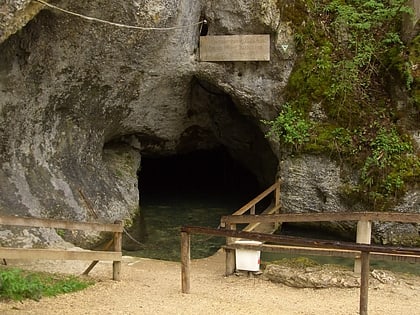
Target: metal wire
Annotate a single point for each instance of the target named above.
(89, 18)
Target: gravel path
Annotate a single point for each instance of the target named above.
(154, 287)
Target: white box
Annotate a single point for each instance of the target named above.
(247, 259)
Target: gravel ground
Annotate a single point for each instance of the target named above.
(154, 287)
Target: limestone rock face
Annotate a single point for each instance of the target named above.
(327, 276)
(82, 101)
(312, 277)
(314, 183)
(14, 14)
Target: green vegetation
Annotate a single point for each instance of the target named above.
(290, 127)
(350, 62)
(413, 63)
(16, 284)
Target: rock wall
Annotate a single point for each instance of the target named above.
(81, 101)
(14, 14)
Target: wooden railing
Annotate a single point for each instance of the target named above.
(363, 236)
(364, 249)
(325, 216)
(251, 206)
(114, 255)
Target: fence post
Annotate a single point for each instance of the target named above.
(364, 232)
(230, 253)
(252, 210)
(185, 261)
(364, 283)
(277, 194)
(116, 265)
(277, 202)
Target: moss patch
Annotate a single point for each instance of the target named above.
(351, 59)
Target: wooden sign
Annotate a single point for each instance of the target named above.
(235, 48)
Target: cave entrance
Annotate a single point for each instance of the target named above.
(198, 174)
(194, 188)
(219, 160)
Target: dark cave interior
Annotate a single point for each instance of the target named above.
(201, 173)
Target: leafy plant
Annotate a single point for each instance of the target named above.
(16, 284)
(60, 232)
(387, 150)
(289, 127)
(349, 54)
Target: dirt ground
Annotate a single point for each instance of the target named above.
(154, 287)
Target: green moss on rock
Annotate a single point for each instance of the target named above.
(350, 66)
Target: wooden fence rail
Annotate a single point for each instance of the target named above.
(364, 249)
(364, 226)
(250, 206)
(114, 255)
(324, 217)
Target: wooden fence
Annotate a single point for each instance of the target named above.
(364, 249)
(364, 226)
(250, 207)
(114, 255)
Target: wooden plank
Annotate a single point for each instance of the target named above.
(277, 194)
(260, 227)
(116, 265)
(230, 240)
(324, 217)
(94, 263)
(299, 241)
(59, 224)
(235, 48)
(185, 261)
(294, 250)
(396, 258)
(230, 260)
(363, 236)
(257, 199)
(55, 254)
(277, 204)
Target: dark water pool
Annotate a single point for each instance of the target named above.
(164, 218)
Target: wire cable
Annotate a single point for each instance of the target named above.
(89, 18)
(132, 238)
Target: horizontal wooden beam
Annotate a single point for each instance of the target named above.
(55, 254)
(235, 48)
(60, 224)
(294, 250)
(324, 217)
(303, 242)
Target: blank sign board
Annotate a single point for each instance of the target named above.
(235, 48)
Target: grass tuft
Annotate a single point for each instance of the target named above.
(17, 284)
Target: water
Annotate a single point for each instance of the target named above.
(164, 218)
(190, 189)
